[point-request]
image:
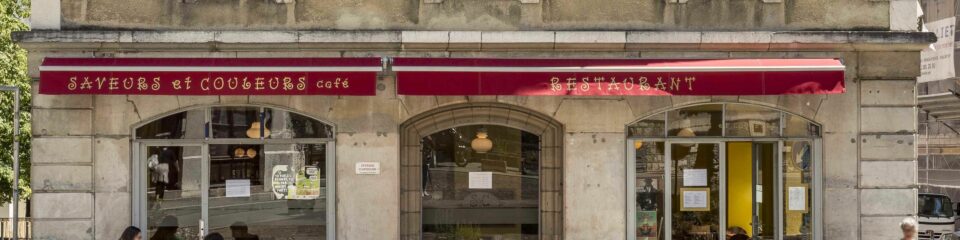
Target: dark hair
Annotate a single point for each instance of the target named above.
(129, 233)
(737, 230)
(213, 236)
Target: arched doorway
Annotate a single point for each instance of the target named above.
(700, 171)
(246, 172)
(454, 183)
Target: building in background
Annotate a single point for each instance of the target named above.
(453, 119)
(938, 141)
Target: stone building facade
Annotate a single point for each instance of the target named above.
(89, 168)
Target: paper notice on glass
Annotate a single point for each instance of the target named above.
(694, 199)
(797, 199)
(694, 177)
(238, 188)
(759, 193)
(481, 180)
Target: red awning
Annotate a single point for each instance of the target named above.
(460, 76)
(210, 76)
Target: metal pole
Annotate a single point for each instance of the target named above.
(16, 163)
(15, 223)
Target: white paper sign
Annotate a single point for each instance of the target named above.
(368, 168)
(238, 187)
(797, 198)
(759, 193)
(694, 177)
(936, 61)
(481, 180)
(695, 199)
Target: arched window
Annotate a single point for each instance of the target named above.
(481, 170)
(242, 171)
(699, 171)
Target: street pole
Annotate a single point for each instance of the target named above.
(16, 159)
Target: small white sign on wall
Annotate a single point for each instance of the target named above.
(368, 168)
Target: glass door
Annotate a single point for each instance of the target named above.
(696, 187)
(173, 190)
(751, 189)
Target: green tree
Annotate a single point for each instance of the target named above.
(13, 71)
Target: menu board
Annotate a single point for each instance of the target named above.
(694, 199)
(481, 180)
(694, 177)
(797, 198)
(238, 188)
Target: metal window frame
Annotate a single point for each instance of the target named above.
(816, 182)
(138, 170)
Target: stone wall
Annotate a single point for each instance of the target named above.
(597, 15)
(81, 157)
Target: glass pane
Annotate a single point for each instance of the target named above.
(481, 183)
(649, 190)
(235, 122)
(797, 179)
(182, 125)
(284, 124)
(696, 121)
(173, 192)
(696, 190)
(649, 127)
(268, 191)
(799, 127)
(764, 190)
(750, 121)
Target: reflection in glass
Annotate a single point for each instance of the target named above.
(696, 191)
(235, 162)
(797, 179)
(652, 126)
(696, 121)
(459, 202)
(284, 124)
(750, 121)
(234, 122)
(765, 169)
(182, 125)
(649, 190)
(173, 192)
(799, 127)
(277, 193)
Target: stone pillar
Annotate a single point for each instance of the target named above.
(887, 180)
(62, 167)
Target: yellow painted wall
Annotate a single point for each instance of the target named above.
(739, 189)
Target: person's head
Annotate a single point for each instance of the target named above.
(213, 236)
(734, 230)
(238, 228)
(909, 228)
(131, 233)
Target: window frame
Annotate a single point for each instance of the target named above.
(138, 170)
(666, 139)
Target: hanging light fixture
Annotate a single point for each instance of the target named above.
(254, 131)
(251, 153)
(239, 152)
(637, 144)
(481, 144)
